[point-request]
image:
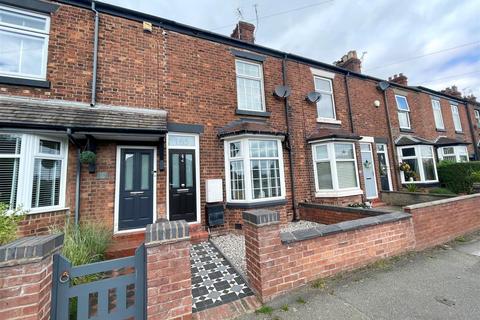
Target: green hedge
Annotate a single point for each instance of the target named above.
(457, 177)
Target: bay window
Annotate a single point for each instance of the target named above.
(335, 169)
(453, 153)
(24, 39)
(254, 170)
(32, 171)
(403, 112)
(421, 161)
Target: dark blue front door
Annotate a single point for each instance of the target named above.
(136, 188)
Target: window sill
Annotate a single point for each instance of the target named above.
(406, 130)
(46, 210)
(337, 194)
(328, 120)
(459, 132)
(252, 113)
(260, 204)
(440, 130)
(24, 82)
(420, 182)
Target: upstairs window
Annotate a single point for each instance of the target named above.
(477, 117)
(453, 153)
(437, 114)
(403, 112)
(250, 95)
(326, 104)
(24, 43)
(456, 118)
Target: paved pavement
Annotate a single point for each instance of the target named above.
(441, 283)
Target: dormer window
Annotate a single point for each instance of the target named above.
(24, 43)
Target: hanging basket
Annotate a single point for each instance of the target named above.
(88, 157)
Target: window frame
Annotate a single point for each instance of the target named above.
(29, 32)
(331, 93)
(436, 103)
(407, 112)
(30, 150)
(476, 114)
(336, 191)
(456, 114)
(457, 152)
(244, 141)
(260, 78)
(418, 156)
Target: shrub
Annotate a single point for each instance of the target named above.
(440, 191)
(9, 220)
(85, 243)
(457, 177)
(412, 187)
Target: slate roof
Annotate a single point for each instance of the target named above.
(444, 141)
(238, 127)
(62, 115)
(408, 140)
(332, 133)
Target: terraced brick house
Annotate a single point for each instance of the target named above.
(114, 116)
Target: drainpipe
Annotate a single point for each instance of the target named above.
(392, 144)
(350, 114)
(95, 57)
(472, 132)
(77, 176)
(289, 141)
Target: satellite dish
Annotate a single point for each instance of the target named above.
(313, 97)
(282, 91)
(383, 85)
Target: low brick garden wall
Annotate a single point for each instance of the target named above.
(279, 262)
(402, 198)
(328, 214)
(440, 221)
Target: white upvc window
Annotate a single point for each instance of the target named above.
(250, 92)
(254, 170)
(437, 114)
(32, 172)
(421, 160)
(477, 117)
(335, 169)
(403, 112)
(24, 43)
(456, 118)
(326, 104)
(453, 153)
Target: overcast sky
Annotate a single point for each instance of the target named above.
(387, 31)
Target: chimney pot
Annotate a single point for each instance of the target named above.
(244, 31)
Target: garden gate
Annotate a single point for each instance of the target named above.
(107, 290)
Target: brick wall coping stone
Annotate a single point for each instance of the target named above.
(443, 201)
(433, 195)
(29, 249)
(166, 231)
(364, 211)
(322, 231)
(261, 217)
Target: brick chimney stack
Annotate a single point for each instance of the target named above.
(399, 78)
(453, 91)
(244, 31)
(350, 61)
(471, 98)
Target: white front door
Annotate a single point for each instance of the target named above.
(368, 167)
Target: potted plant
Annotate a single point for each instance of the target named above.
(90, 158)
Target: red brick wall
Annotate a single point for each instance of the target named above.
(441, 221)
(326, 216)
(25, 291)
(169, 281)
(274, 268)
(42, 223)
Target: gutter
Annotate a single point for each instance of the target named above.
(95, 57)
(77, 176)
(288, 137)
(350, 114)
(472, 132)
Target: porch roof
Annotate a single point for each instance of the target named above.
(57, 115)
(408, 140)
(444, 142)
(242, 126)
(332, 133)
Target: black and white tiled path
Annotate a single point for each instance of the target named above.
(214, 280)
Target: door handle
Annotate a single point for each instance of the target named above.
(137, 192)
(182, 185)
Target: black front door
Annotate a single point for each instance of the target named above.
(182, 180)
(136, 188)
(383, 169)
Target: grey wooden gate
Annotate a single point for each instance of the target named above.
(113, 289)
